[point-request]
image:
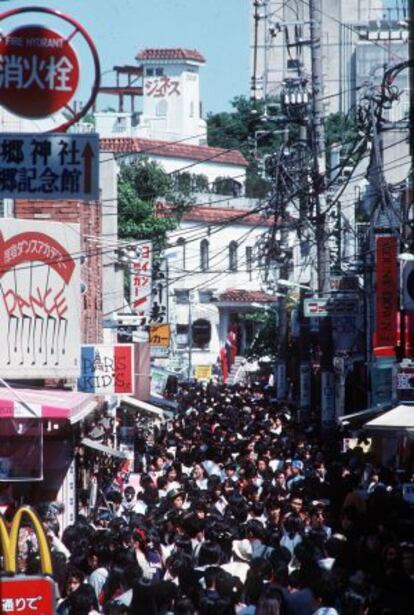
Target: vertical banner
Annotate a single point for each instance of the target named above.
(141, 281)
(305, 387)
(328, 397)
(381, 385)
(386, 291)
(281, 380)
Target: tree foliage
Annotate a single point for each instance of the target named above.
(243, 129)
(141, 185)
(265, 342)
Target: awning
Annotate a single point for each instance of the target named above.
(45, 404)
(96, 446)
(400, 418)
(199, 311)
(362, 415)
(144, 406)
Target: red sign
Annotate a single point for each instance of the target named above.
(25, 595)
(39, 71)
(386, 292)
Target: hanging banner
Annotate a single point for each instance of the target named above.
(107, 369)
(141, 282)
(281, 380)
(305, 386)
(327, 397)
(386, 291)
(39, 299)
(381, 385)
(159, 303)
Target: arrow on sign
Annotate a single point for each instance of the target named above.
(87, 156)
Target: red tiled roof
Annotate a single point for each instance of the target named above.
(170, 54)
(203, 153)
(246, 296)
(218, 215)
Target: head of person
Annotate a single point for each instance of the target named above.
(296, 503)
(83, 600)
(74, 579)
(129, 493)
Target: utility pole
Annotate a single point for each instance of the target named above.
(317, 132)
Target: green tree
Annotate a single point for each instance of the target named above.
(265, 342)
(141, 185)
(243, 129)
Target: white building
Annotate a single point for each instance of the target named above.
(215, 273)
(170, 91)
(215, 278)
(281, 23)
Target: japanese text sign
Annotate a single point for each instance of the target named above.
(162, 87)
(387, 291)
(25, 595)
(49, 166)
(160, 335)
(39, 299)
(141, 281)
(203, 372)
(39, 71)
(107, 369)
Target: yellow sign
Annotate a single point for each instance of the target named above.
(203, 372)
(9, 541)
(160, 335)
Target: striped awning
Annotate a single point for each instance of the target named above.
(45, 404)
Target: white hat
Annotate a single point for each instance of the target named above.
(242, 549)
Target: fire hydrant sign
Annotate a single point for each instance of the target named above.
(49, 166)
(39, 71)
(24, 595)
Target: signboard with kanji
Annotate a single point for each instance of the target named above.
(27, 595)
(141, 282)
(160, 335)
(39, 71)
(203, 372)
(337, 307)
(49, 166)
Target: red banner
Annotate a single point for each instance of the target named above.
(386, 291)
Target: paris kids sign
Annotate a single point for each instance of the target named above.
(39, 299)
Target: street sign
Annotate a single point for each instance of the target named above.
(334, 307)
(39, 71)
(27, 595)
(160, 335)
(49, 166)
(203, 372)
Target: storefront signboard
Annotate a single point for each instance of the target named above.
(107, 369)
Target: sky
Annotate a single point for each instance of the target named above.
(219, 29)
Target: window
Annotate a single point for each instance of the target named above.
(249, 258)
(150, 72)
(201, 333)
(191, 109)
(182, 335)
(233, 256)
(159, 72)
(182, 297)
(181, 243)
(204, 255)
(205, 296)
(161, 108)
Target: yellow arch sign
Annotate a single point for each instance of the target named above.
(9, 541)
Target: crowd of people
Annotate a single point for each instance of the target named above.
(240, 509)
